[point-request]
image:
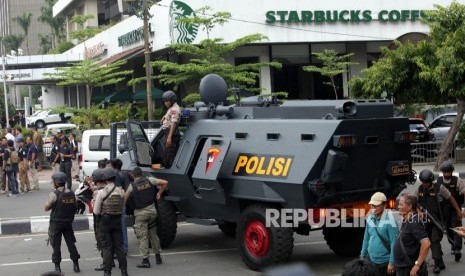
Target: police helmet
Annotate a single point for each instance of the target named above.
(169, 96)
(108, 173)
(447, 166)
(426, 176)
(97, 175)
(59, 177)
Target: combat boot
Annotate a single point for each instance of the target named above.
(458, 255)
(144, 264)
(158, 258)
(107, 273)
(57, 267)
(124, 272)
(76, 266)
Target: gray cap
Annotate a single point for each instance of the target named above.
(59, 177)
(137, 170)
(108, 173)
(97, 175)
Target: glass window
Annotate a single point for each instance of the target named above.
(99, 143)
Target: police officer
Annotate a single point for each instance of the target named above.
(62, 202)
(109, 207)
(145, 193)
(54, 153)
(24, 187)
(456, 187)
(66, 155)
(169, 126)
(430, 196)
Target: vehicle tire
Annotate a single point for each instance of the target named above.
(344, 241)
(166, 223)
(259, 245)
(40, 124)
(228, 228)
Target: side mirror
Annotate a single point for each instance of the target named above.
(122, 148)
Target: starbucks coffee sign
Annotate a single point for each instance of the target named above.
(344, 16)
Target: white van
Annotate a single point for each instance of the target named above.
(95, 146)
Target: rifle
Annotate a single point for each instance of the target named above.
(436, 222)
(50, 234)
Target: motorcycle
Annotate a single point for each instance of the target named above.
(84, 196)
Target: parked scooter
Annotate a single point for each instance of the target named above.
(84, 195)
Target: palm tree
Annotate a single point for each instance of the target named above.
(12, 42)
(24, 22)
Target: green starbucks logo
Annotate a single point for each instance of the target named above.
(181, 32)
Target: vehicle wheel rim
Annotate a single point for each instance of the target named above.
(256, 239)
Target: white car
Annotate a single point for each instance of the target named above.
(51, 130)
(440, 125)
(46, 117)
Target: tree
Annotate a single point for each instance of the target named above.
(12, 42)
(439, 62)
(333, 65)
(45, 43)
(82, 34)
(209, 56)
(24, 21)
(56, 23)
(90, 73)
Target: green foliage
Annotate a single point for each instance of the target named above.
(209, 56)
(45, 43)
(56, 23)
(190, 99)
(82, 34)
(24, 21)
(64, 46)
(333, 65)
(12, 42)
(90, 73)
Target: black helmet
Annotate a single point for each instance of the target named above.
(108, 174)
(169, 96)
(426, 176)
(447, 166)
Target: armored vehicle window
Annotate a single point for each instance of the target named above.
(371, 140)
(307, 137)
(241, 135)
(272, 136)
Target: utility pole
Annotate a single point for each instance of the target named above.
(4, 91)
(148, 71)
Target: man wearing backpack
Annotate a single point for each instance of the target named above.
(456, 186)
(380, 236)
(10, 166)
(430, 198)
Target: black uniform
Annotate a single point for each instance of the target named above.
(53, 154)
(66, 165)
(452, 219)
(61, 223)
(429, 199)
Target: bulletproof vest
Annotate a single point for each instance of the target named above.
(144, 193)
(452, 187)
(428, 199)
(113, 205)
(65, 207)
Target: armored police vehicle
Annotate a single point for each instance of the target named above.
(243, 165)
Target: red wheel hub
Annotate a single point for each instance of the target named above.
(257, 239)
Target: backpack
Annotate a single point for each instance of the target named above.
(14, 158)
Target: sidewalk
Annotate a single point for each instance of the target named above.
(25, 214)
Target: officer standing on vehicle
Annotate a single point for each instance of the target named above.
(430, 197)
(145, 192)
(169, 126)
(62, 202)
(109, 207)
(456, 187)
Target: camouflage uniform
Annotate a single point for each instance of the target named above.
(173, 115)
(24, 185)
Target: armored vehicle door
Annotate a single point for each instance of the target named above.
(140, 145)
(207, 168)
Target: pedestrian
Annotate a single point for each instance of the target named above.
(3, 146)
(145, 192)
(55, 151)
(380, 235)
(75, 162)
(25, 186)
(62, 202)
(10, 166)
(456, 187)
(360, 267)
(18, 135)
(32, 159)
(65, 156)
(37, 140)
(109, 206)
(169, 126)
(9, 136)
(430, 197)
(412, 244)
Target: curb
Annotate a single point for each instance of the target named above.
(36, 225)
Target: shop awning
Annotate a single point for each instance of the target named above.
(99, 98)
(120, 96)
(128, 54)
(141, 95)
